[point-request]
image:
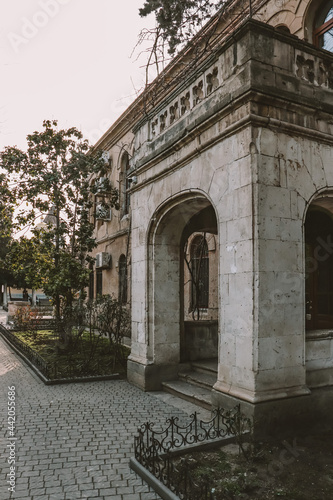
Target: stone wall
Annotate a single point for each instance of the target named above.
(253, 149)
(247, 135)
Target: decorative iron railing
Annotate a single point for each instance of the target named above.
(51, 371)
(155, 450)
(28, 352)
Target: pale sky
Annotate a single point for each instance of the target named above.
(68, 60)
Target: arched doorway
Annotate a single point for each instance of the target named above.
(172, 226)
(319, 264)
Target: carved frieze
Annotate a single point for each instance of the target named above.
(185, 102)
(314, 70)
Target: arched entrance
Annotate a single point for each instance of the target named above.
(319, 291)
(173, 225)
(319, 264)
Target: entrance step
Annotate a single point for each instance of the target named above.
(205, 366)
(189, 392)
(205, 380)
(196, 383)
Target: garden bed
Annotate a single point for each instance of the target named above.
(294, 469)
(88, 356)
(218, 460)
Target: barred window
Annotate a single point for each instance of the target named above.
(91, 284)
(124, 184)
(200, 273)
(99, 282)
(122, 269)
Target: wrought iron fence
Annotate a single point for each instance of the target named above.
(51, 371)
(28, 352)
(155, 450)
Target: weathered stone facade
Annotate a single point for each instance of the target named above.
(113, 229)
(240, 149)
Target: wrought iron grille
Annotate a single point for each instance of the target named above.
(155, 450)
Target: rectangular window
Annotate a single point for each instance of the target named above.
(91, 285)
(99, 282)
(122, 280)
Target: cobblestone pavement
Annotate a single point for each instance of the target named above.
(74, 441)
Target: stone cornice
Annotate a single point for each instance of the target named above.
(284, 96)
(139, 113)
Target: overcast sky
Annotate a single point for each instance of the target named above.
(68, 60)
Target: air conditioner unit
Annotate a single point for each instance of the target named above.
(103, 213)
(133, 180)
(103, 260)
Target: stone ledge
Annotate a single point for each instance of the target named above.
(319, 335)
(263, 396)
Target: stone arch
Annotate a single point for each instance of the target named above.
(318, 303)
(318, 240)
(310, 15)
(170, 226)
(287, 13)
(298, 15)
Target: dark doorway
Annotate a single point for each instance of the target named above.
(319, 270)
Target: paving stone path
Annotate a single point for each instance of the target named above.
(73, 441)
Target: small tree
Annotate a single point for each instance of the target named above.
(27, 263)
(7, 202)
(27, 319)
(52, 186)
(103, 317)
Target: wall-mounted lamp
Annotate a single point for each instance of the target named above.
(133, 180)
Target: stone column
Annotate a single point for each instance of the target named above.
(261, 357)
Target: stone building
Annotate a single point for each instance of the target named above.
(227, 160)
(112, 227)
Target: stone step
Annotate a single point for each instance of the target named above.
(192, 393)
(198, 378)
(208, 366)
